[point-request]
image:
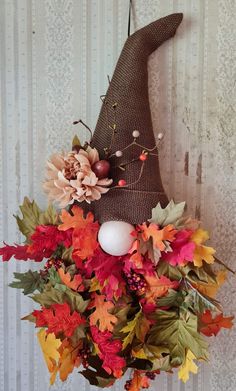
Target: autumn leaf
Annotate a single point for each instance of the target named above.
(169, 215)
(201, 252)
(158, 287)
(138, 327)
(182, 249)
(33, 216)
(49, 345)
(58, 319)
(139, 381)
(102, 315)
(211, 288)
(188, 366)
(74, 283)
(157, 235)
(68, 360)
(29, 281)
(19, 252)
(211, 326)
(75, 219)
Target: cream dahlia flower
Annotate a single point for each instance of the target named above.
(69, 177)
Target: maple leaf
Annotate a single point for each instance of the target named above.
(158, 287)
(49, 345)
(187, 367)
(201, 252)
(182, 249)
(178, 331)
(169, 215)
(109, 273)
(138, 327)
(211, 326)
(139, 381)
(58, 319)
(75, 283)
(46, 239)
(29, 281)
(68, 360)
(32, 216)
(101, 315)
(157, 235)
(211, 288)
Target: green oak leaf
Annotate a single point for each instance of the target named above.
(169, 215)
(178, 331)
(33, 216)
(29, 281)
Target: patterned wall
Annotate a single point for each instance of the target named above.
(55, 58)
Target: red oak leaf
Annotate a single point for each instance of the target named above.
(211, 326)
(183, 249)
(108, 349)
(58, 319)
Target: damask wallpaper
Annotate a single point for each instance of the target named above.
(55, 58)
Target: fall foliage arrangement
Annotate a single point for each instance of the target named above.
(126, 280)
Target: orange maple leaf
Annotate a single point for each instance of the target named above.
(101, 315)
(76, 219)
(139, 381)
(158, 235)
(211, 326)
(158, 287)
(74, 283)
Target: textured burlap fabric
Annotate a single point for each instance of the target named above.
(129, 89)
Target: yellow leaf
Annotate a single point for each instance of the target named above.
(187, 367)
(201, 252)
(210, 289)
(49, 345)
(95, 285)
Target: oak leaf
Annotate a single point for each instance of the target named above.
(74, 283)
(158, 287)
(188, 366)
(211, 326)
(139, 381)
(169, 215)
(75, 219)
(138, 327)
(211, 288)
(157, 235)
(201, 252)
(102, 316)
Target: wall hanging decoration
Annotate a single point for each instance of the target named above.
(129, 281)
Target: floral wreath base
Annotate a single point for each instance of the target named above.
(147, 311)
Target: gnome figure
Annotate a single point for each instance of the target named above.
(125, 126)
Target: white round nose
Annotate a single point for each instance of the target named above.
(115, 237)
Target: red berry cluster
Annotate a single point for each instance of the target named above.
(84, 354)
(127, 385)
(53, 263)
(151, 375)
(136, 282)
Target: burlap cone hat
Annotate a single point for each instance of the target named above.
(128, 91)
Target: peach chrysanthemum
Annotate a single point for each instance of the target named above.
(69, 177)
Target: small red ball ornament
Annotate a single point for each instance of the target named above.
(143, 157)
(101, 169)
(121, 183)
